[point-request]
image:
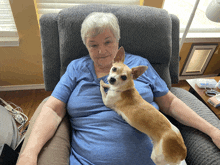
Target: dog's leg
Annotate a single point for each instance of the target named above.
(104, 94)
(157, 154)
(104, 85)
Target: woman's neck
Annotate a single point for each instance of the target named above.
(102, 71)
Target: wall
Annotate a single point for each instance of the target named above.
(214, 64)
(23, 64)
(153, 3)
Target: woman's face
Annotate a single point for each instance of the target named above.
(102, 49)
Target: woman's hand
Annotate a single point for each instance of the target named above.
(215, 135)
(25, 159)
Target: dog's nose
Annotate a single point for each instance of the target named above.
(112, 80)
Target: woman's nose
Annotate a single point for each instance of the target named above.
(102, 50)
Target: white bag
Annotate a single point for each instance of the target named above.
(9, 133)
(11, 115)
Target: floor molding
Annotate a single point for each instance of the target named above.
(22, 87)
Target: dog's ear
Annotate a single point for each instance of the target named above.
(138, 71)
(120, 56)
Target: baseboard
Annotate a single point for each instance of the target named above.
(22, 87)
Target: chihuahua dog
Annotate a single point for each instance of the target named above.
(168, 144)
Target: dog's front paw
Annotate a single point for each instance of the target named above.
(102, 83)
(102, 86)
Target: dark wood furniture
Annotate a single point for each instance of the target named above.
(200, 93)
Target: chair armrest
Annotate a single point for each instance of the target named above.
(57, 150)
(200, 148)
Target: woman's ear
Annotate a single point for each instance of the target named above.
(120, 56)
(138, 71)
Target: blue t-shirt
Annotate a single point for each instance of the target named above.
(99, 135)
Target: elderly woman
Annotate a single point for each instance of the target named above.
(99, 134)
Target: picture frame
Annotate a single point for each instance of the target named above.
(198, 59)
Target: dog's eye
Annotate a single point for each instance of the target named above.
(114, 69)
(124, 78)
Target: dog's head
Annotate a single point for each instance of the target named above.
(121, 76)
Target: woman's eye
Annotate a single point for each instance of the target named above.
(93, 46)
(107, 42)
(124, 78)
(114, 69)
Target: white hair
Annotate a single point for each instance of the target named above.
(96, 22)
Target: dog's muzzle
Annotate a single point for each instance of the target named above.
(112, 80)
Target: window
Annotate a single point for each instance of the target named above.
(8, 30)
(201, 26)
(54, 6)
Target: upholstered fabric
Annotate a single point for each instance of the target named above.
(145, 31)
(50, 50)
(57, 150)
(201, 149)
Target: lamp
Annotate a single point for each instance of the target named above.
(213, 11)
(188, 24)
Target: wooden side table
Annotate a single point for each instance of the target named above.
(200, 94)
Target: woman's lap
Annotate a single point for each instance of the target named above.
(57, 149)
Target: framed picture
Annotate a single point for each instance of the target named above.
(198, 59)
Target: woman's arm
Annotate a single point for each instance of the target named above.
(174, 107)
(44, 128)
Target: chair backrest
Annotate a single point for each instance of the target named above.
(145, 31)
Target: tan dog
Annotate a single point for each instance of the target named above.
(168, 144)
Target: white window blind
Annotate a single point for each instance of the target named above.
(54, 6)
(8, 31)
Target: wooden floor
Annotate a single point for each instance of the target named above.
(182, 84)
(29, 100)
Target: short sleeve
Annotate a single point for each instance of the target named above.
(157, 84)
(66, 85)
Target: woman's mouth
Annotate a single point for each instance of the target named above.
(104, 56)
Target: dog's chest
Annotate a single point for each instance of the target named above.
(113, 97)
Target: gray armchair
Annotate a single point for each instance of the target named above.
(145, 31)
